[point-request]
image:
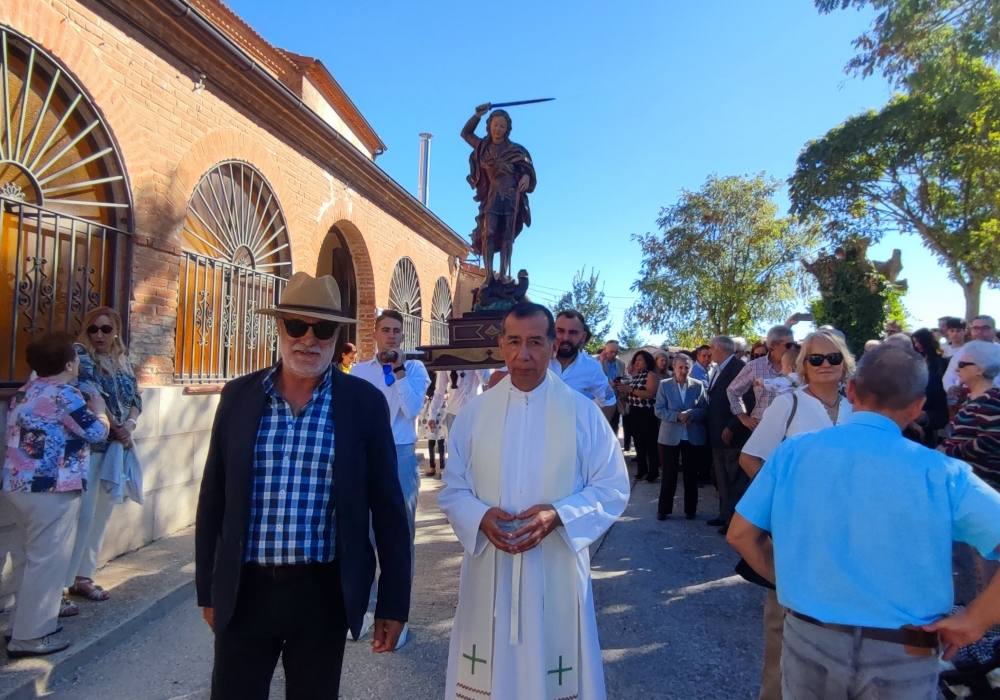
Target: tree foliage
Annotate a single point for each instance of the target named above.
(586, 295)
(723, 261)
(907, 33)
(928, 163)
(855, 297)
(631, 336)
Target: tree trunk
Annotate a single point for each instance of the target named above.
(972, 290)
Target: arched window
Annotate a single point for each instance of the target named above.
(440, 312)
(65, 207)
(404, 297)
(236, 260)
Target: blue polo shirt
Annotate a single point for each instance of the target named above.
(863, 522)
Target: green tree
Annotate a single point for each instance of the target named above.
(586, 295)
(855, 297)
(907, 33)
(928, 163)
(723, 261)
(631, 336)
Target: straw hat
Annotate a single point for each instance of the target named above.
(305, 295)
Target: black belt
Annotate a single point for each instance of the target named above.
(287, 572)
(907, 636)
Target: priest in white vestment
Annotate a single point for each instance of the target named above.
(534, 476)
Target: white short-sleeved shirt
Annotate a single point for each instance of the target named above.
(809, 415)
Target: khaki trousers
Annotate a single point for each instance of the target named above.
(774, 624)
(47, 521)
(95, 510)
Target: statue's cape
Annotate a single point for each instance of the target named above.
(514, 154)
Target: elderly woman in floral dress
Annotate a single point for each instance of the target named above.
(104, 369)
(50, 426)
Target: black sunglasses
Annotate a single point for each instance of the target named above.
(834, 358)
(323, 330)
(963, 365)
(105, 329)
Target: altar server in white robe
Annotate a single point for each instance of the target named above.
(534, 477)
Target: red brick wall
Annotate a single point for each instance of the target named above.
(170, 134)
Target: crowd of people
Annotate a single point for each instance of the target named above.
(306, 517)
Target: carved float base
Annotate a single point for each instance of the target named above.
(472, 344)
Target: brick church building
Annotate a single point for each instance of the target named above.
(160, 157)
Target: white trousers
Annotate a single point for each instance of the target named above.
(95, 510)
(47, 521)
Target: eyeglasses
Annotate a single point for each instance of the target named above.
(982, 327)
(834, 358)
(323, 330)
(789, 346)
(963, 365)
(105, 329)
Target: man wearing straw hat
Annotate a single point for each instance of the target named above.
(301, 456)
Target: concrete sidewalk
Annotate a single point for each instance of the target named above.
(144, 585)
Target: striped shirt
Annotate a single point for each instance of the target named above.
(292, 518)
(761, 368)
(976, 436)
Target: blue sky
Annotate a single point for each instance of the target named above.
(652, 97)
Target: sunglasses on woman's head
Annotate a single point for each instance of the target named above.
(105, 329)
(834, 358)
(323, 330)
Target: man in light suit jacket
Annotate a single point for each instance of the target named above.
(682, 407)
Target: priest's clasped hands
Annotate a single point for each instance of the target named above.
(533, 526)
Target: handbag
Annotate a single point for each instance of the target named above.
(743, 569)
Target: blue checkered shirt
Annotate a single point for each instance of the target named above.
(291, 505)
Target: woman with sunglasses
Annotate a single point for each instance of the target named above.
(975, 430)
(823, 366)
(975, 438)
(104, 369)
(758, 350)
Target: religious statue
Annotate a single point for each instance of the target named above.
(501, 173)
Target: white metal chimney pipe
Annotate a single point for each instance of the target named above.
(423, 176)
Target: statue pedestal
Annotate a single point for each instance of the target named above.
(473, 337)
(472, 344)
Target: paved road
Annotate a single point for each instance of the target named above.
(674, 623)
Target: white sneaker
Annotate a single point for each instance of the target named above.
(404, 637)
(41, 646)
(7, 636)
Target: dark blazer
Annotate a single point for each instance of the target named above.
(365, 481)
(720, 416)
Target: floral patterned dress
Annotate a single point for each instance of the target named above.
(49, 431)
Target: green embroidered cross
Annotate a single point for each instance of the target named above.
(560, 670)
(476, 660)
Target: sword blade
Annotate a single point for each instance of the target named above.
(497, 105)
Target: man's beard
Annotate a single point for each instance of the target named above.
(566, 350)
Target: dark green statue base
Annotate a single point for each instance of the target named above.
(497, 296)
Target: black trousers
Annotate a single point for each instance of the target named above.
(645, 427)
(681, 457)
(296, 613)
(440, 448)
